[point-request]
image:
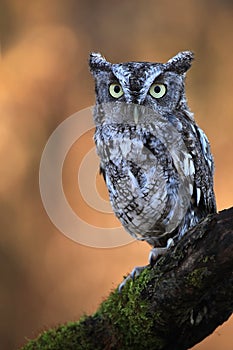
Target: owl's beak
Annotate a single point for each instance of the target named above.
(136, 114)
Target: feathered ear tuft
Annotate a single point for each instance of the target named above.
(98, 62)
(181, 62)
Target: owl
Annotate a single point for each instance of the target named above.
(154, 158)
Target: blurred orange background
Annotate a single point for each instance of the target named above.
(46, 278)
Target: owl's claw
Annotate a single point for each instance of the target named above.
(159, 251)
(154, 254)
(133, 274)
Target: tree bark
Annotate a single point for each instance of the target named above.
(174, 305)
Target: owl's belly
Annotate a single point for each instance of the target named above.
(141, 210)
(142, 186)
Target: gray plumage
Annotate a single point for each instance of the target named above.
(160, 185)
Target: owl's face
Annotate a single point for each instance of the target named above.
(159, 86)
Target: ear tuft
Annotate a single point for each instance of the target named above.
(98, 62)
(181, 62)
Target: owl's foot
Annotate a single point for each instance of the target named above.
(159, 251)
(134, 273)
(153, 256)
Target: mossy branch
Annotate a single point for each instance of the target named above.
(174, 305)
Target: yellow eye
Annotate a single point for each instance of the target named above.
(115, 90)
(157, 90)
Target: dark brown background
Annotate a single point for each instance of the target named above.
(46, 278)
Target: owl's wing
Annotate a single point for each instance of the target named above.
(206, 149)
(205, 198)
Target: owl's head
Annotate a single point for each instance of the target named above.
(159, 86)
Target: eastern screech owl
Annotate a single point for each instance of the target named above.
(149, 145)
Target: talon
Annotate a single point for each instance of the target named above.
(133, 274)
(155, 253)
(122, 284)
(158, 251)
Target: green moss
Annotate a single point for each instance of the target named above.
(197, 277)
(131, 315)
(69, 336)
(124, 321)
(207, 259)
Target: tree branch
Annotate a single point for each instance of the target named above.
(174, 305)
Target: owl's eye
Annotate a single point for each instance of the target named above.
(115, 90)
(157, 90)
